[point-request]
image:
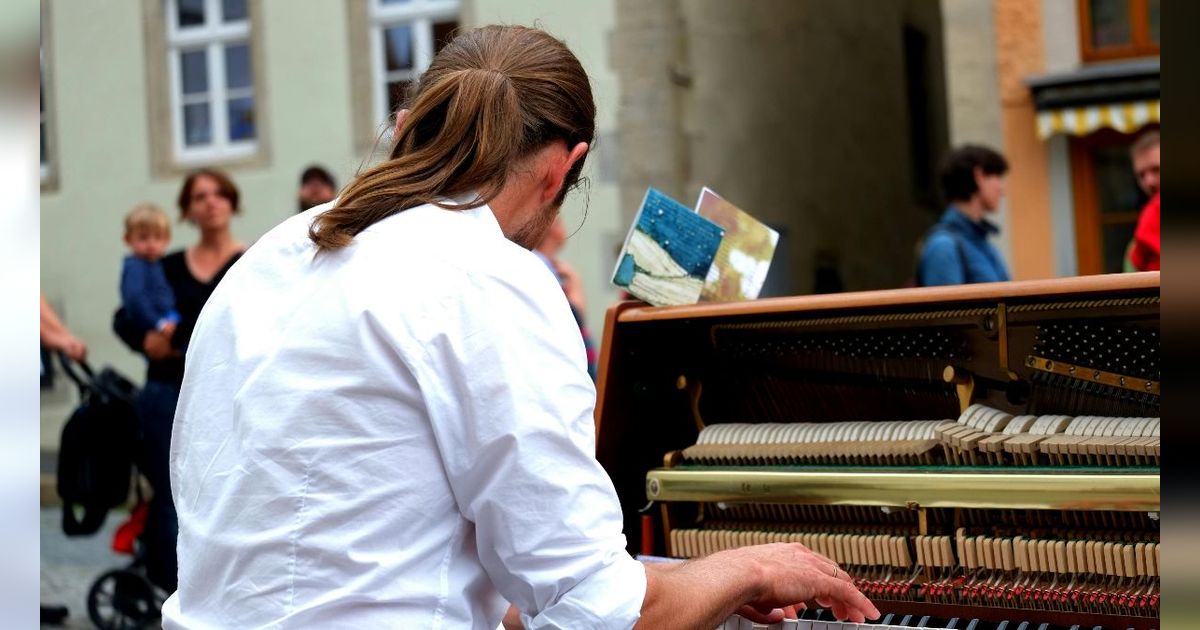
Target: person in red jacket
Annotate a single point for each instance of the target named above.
(1145, 249)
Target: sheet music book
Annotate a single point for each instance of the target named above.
(742, 261)
(668, 252)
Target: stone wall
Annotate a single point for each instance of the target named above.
(795, 111)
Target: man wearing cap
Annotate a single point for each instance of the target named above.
(316, 187)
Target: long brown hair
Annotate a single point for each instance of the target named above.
(492, 96)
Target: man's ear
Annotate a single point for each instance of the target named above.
(401, 116)
(557, 175)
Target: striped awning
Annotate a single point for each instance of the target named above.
(1080, 121)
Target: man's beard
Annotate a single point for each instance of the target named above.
(530, 234)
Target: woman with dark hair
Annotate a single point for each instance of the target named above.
(208, 200)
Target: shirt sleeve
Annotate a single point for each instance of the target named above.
(511, 404)
(941, 263)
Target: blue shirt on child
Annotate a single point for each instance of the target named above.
(145, 293)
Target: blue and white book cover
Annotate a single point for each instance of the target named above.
(667, 253)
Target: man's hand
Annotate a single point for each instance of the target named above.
(792, 574)
(762, 583)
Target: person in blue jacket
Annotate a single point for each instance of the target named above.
(956, 249)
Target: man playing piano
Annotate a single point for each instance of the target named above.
(386, 420)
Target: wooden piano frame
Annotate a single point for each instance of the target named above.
(655, 363)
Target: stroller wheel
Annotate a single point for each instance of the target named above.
(122, 599)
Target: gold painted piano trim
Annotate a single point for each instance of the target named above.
(1006, 490)
(1097, 376)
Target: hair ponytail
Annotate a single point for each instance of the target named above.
(491, 97)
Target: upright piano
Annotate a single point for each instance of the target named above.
(978, 457)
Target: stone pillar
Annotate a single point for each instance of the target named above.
(1021, 54)
(973, 87)
(647, 54)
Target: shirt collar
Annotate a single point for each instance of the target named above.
(483, 215)
(952, 216)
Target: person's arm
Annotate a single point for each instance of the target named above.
(55, 335)
(941, 263)
(758, 582)
(154, 344)
(503, 376)
(572, 284)
(511, 409)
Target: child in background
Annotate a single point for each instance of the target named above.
(145, 294)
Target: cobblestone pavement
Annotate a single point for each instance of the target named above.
(70, 565)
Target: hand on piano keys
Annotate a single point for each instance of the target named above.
(738, 622)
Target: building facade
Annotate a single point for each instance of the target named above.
(828, 120)
(1088, 92)
(825, 119)
(136, 93)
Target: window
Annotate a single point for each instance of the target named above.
(213, 114)
(405, 35)
(1118, 29)
(1108, 200)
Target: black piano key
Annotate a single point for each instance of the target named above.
(973, 624)
(1003, 625)
(952, 624)
(1024, 626)
(905, 621)
(924, 623)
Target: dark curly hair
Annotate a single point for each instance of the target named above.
(958, 170)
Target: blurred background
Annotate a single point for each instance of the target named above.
(825, 119)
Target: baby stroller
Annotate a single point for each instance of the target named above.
(126, 598)
(96, 464)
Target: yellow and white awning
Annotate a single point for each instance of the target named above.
(1080, 121)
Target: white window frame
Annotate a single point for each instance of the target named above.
(420, 15)
(212, 37)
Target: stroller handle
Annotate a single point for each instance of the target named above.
(69, 366)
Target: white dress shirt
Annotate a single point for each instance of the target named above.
(397, 434)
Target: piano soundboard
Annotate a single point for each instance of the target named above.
(983, 457)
